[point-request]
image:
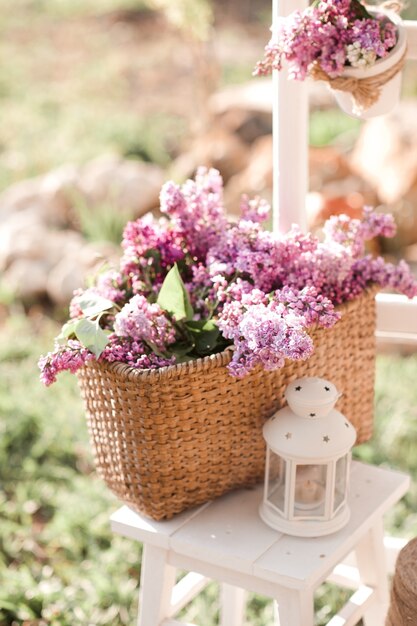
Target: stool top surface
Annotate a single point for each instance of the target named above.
(229, 531)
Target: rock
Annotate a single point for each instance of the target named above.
(386, 157)
(19, 197)
(218, 148)
(22, 235)
(26, 279)
(386, 153)
(72, 271)
(59, 189)
(129, 186)
(326, 164)
(255, 180)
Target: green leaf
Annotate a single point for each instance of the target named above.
(205, 334)
(67, 330)
(92, 304)
(180, 349)
(91, 336)
(173, 296)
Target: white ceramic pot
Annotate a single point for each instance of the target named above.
(390, 92)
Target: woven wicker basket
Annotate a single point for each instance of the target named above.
(168, 439)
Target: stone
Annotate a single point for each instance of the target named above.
(130, 186)
(26, 279)
(218, 148)
(19, 197)
(386, 153)
(386, 157)
(255, 180)
(58, 192)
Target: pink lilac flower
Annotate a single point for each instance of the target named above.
(144, 321)
(70, 357)
(254, 210)
(151, 247)
(134, 353)
(196, 209)
(264, 335)
(332, 34)
(264, 291)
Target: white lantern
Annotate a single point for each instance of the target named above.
(308, 457)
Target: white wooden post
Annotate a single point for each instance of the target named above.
(290, 127)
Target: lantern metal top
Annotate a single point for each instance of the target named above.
(310, 429)
(311, 397)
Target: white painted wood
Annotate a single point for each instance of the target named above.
(393, 545)
(290, 149)
(156, 584)
(411, 28)
(223, 535)
(345, 575)
(355, 608)
(128, 523)
(372, 569)
(185, 590)
(296, 608)
(232, 605)
(228, 542)
(298, 562)
(396, 315)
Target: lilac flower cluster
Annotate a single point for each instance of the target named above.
(70, 357)
(143, 321)
(331, 34)
(195, 282)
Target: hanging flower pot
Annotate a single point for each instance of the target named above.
(359, 51)
(374, 90)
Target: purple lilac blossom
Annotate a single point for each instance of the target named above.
(196, 209)
(145, 321)
(331, 35)
(264, 290)
(70, 357)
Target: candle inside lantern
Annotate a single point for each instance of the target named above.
(308, 493)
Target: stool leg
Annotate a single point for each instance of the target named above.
(156, 583)
(233, 601)
(370, 557)
(295, 608)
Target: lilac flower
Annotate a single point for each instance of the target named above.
(332, 34)
(70, 357)
(134, 353)
(264, 291)
(145, 322)
(196, 209)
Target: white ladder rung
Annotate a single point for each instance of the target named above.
(185, 590)
(354, 608)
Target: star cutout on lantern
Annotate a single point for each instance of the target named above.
(288, 436)
(326, 439)
(298, 388)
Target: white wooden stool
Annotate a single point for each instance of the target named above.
(225, 540)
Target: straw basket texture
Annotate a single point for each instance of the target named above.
(168, 439)
(403, 606)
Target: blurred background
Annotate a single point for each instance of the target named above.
(100, 103)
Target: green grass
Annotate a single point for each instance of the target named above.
(69, 90)
(59, 563)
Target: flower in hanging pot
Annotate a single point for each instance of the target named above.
(359, 51)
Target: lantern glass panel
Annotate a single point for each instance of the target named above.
(310, 490)
(340, 484)
(276, 481)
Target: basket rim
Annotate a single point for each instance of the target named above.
(202, 363)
